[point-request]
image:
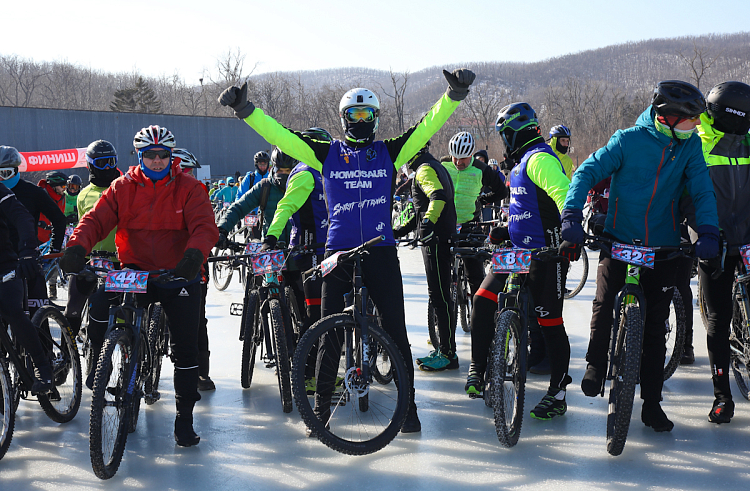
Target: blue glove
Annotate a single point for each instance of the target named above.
(707, 245)
(572, 230)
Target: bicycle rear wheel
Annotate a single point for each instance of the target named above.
(506, 387)
(108, 426)
(464, 296)
(739, 343)
(250, 339)
(578, 273)
(340, 423)
(675, 334)
(7, 411)
(221, 271)
(380, 363)
(283, 369)
(61, 405)
(432, 325)
(702, 303)
(626, 364)
(157, 324)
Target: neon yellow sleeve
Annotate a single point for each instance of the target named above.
(430, 184)
(545, 171)
(298, 189)
(277, 134)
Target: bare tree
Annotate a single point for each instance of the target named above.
(698, 62)
(398, 82)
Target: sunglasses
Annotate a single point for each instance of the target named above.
(152, 154)
(7, 173)
(355, 114)
(102, 163)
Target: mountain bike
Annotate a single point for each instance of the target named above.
(364, 413)
(625, 351)
(126, 362)
(676, 329)
(222, 271)
(17, 370)
(739, 333)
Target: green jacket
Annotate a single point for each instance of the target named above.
(86, 200)
(468, 184)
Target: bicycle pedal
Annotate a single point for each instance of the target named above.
(476, 396)
(236, 309)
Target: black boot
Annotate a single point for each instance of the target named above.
(204, 381)
(186, 393)
(411, 423)
(653, 416)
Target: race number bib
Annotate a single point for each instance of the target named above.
(101, 262)
(268, 262)
(251, 220)
(745, 253)
(635, 255)
(253, 247)
(329, 263)
(511, 260)
(126, 281)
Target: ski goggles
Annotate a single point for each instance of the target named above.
(152, 154)
(356, 114)
(6, 173)
(102, 163)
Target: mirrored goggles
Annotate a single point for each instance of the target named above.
(152, 154)
(7, 173)
(356, 114)
(102, 163)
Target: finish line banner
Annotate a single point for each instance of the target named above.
(53, 160)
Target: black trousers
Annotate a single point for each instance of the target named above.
(657, 287)
(11, 308)
(718, 303)
(437, 264)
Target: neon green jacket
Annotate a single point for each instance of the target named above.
(87, 198)
(565, 159)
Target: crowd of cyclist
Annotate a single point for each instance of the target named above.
(686, 157)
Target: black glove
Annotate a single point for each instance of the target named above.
(487, 199)
(570, 251)
(427, 232)
(506, 164)
(28, 263)
(73, 259)
(268, 243)
(190, 264)
(223, 242)
(236, 98)
(458, 83)
(498, 235)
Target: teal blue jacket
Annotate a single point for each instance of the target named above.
(649, 172)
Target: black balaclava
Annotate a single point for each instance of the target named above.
(103, 178)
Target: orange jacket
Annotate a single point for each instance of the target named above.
(156, 222)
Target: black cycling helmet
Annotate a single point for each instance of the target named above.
(101, 148)
(318, 134)
(74, 185)
(677, 98)
(56, 178)
(9, 157)
(729, 105)
(261, 157)
(75, 179)
(280, 160)
(518, 125)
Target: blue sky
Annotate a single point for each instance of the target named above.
(186, 37)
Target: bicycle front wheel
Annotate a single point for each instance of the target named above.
(432, 325)
(626, 364)
(157, 325)
(464, 296)
(62, 403)
(340, 421)
(108, 426)
(578, 273)
(7, 411)
(250, 338)
(739, 342)
(221, 271)
(507, 381)
(283, 369)
(675, 335)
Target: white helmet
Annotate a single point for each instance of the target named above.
(153, 135)
(187, 159)
(493, 162)
(359, 97)
(461, 145)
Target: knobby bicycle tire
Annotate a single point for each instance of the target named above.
(432, 325)
(297, 317)
(626, 362)
(221, 271)
(108, 426)
(508, 380)
(283, 368)
(144, 367)
(348, 429)
(584, 268)
(7, 411)
(380, 364)
(87, 353)
(250, 339)
(464, 293)
(157, 323)
(675, 335)
(702, 302)
(739, 340)
(65, 362)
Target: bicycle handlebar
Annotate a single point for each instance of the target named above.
(351, 253)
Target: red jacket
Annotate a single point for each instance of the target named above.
(156, 222)
(59, 199)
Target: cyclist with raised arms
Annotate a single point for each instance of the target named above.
(650, 163)
(537, 192)
(17, 265)
(470, 175)
(164, 220)
(358, 177)
(435, 218)
(559, 141)
(723, 130)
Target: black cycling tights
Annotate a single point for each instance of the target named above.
(11, 307)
